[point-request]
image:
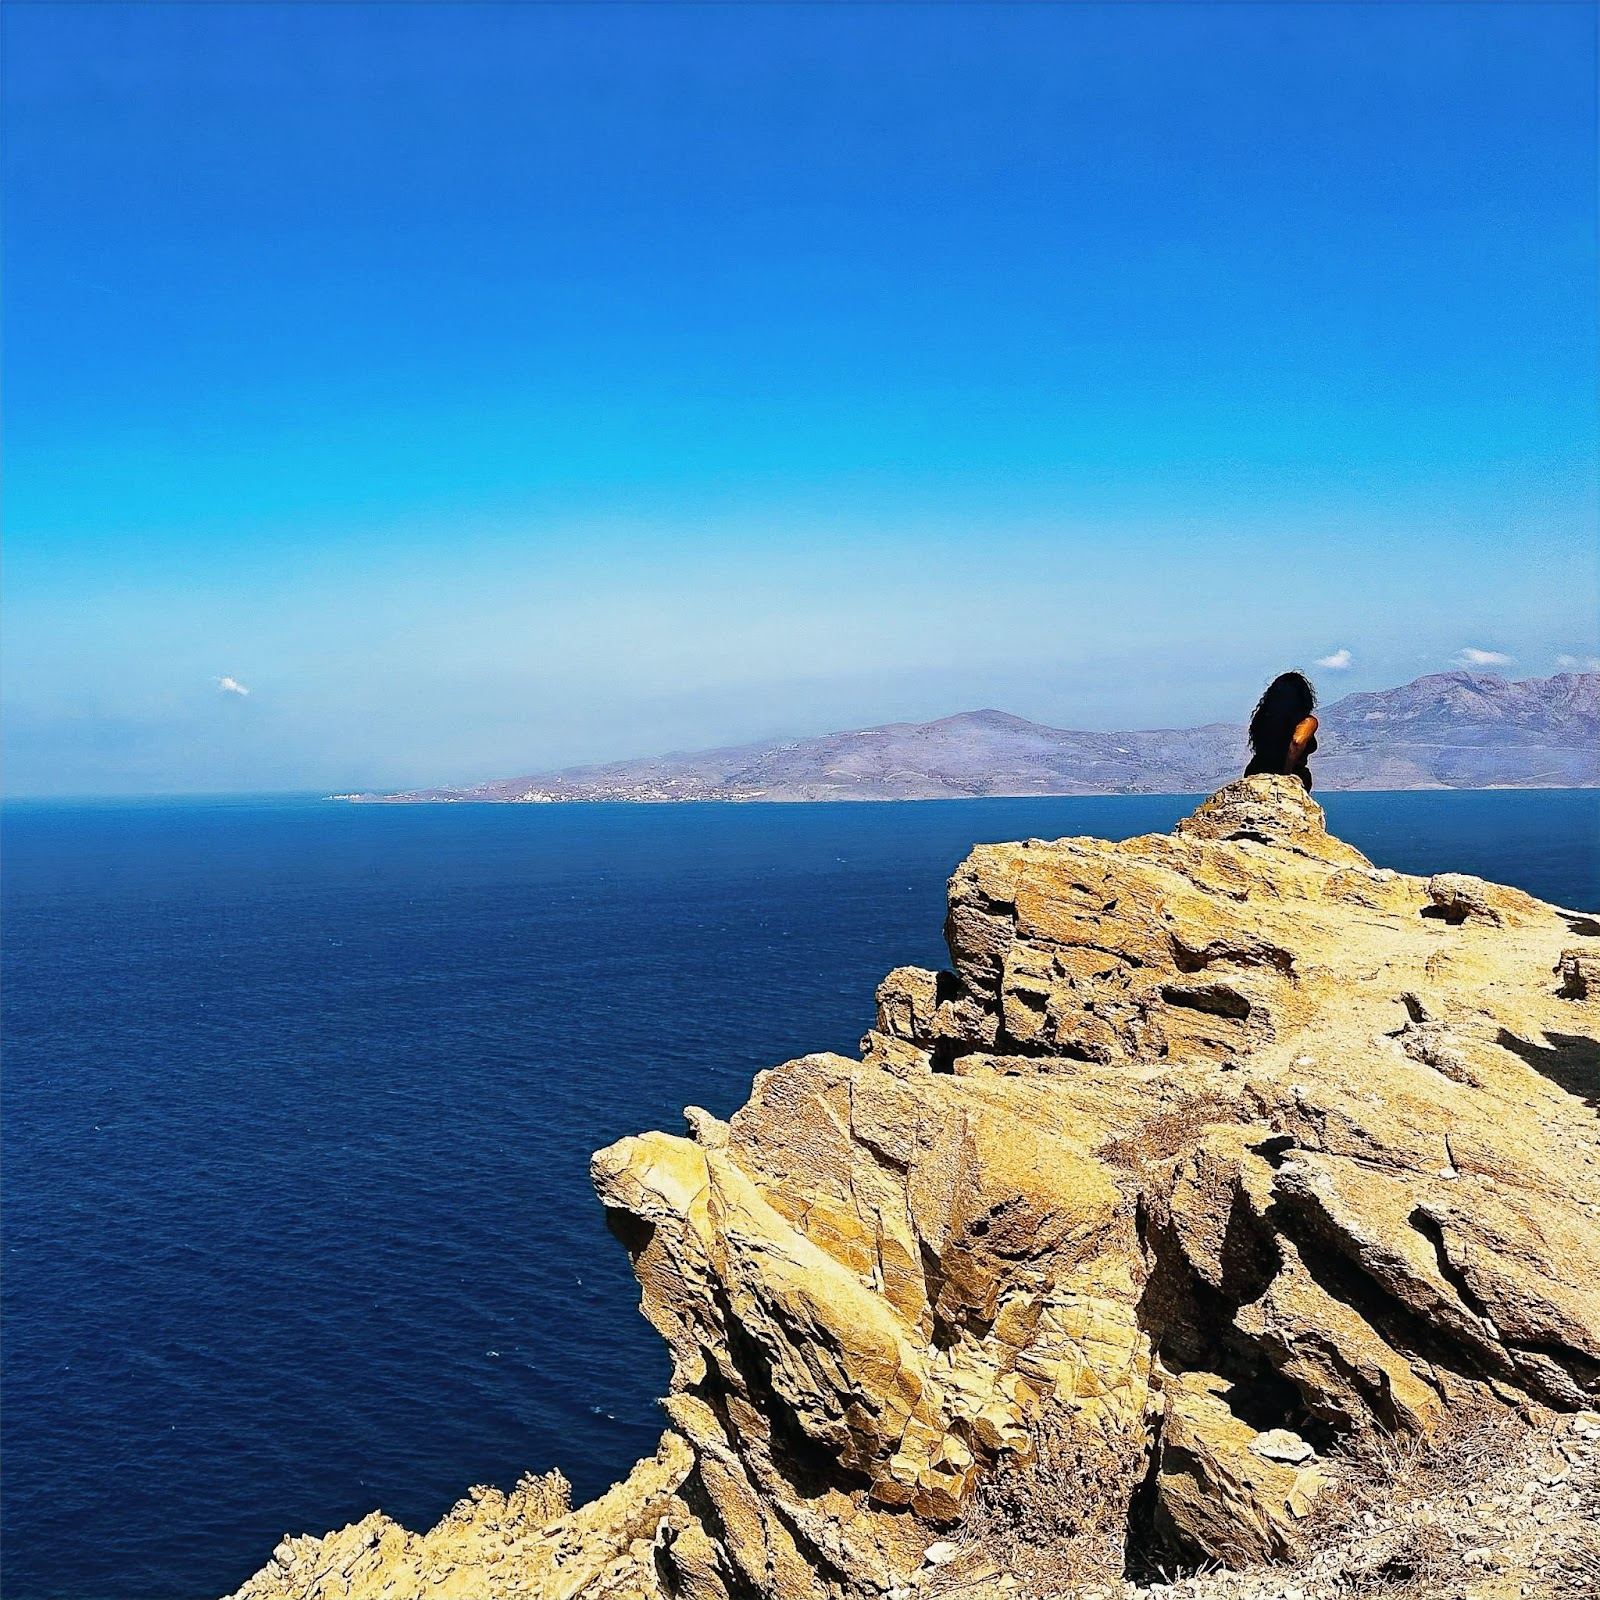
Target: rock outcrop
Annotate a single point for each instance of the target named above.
(526, 1545)
(1214, 1158)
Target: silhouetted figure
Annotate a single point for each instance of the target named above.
(1283, 733)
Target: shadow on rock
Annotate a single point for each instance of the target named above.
(1571, 1061)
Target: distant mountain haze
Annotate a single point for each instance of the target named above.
(1450, 730)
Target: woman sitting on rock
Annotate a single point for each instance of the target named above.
(1283, 733)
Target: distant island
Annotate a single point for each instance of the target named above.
(1449, 730)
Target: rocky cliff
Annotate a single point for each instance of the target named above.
(1222, 1174)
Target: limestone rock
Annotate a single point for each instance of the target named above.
(1204, 1136)
(1215, 1491)
(1278, 1444)
(526, 1545)
(1205, 1139)
(1580, 974)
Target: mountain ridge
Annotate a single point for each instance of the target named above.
(1451, 730)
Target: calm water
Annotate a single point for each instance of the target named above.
(299, 1100)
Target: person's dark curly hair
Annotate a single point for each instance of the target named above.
(1288, 700)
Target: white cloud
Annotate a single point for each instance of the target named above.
(1578, 663)
(1482, 658)
(1337, 662)
(232, 686)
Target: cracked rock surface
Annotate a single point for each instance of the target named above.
(1217, 1162)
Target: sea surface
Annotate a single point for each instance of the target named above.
(299, 1098)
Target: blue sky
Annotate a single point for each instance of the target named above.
(486, 388)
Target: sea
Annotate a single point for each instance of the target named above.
(298, 1098)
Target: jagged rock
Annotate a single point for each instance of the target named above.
(1205, 1137)
(1579, 971)
(1215, 1492)
(1457, 896)
(526, 1545)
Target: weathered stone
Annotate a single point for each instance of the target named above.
(1207, 1139)
(1278, 1444)
(1579, 971)
(1458, 896)
(1215, 1493)
(527, 1543)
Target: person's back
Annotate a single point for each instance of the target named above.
(1283, 732)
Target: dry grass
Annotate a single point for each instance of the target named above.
(1046, 1520)
(1488, 1507)
(1402, 1517)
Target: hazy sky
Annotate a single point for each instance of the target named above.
(419, 393)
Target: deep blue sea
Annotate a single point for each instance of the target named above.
(298, 1102)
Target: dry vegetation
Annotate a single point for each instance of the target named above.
(1485, 1510)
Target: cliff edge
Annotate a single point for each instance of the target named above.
(1225, 1183)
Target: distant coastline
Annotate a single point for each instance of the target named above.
(1453, 730)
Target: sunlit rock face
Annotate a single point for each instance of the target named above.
(1213, 1151)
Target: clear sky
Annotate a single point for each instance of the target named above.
(486, 388)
